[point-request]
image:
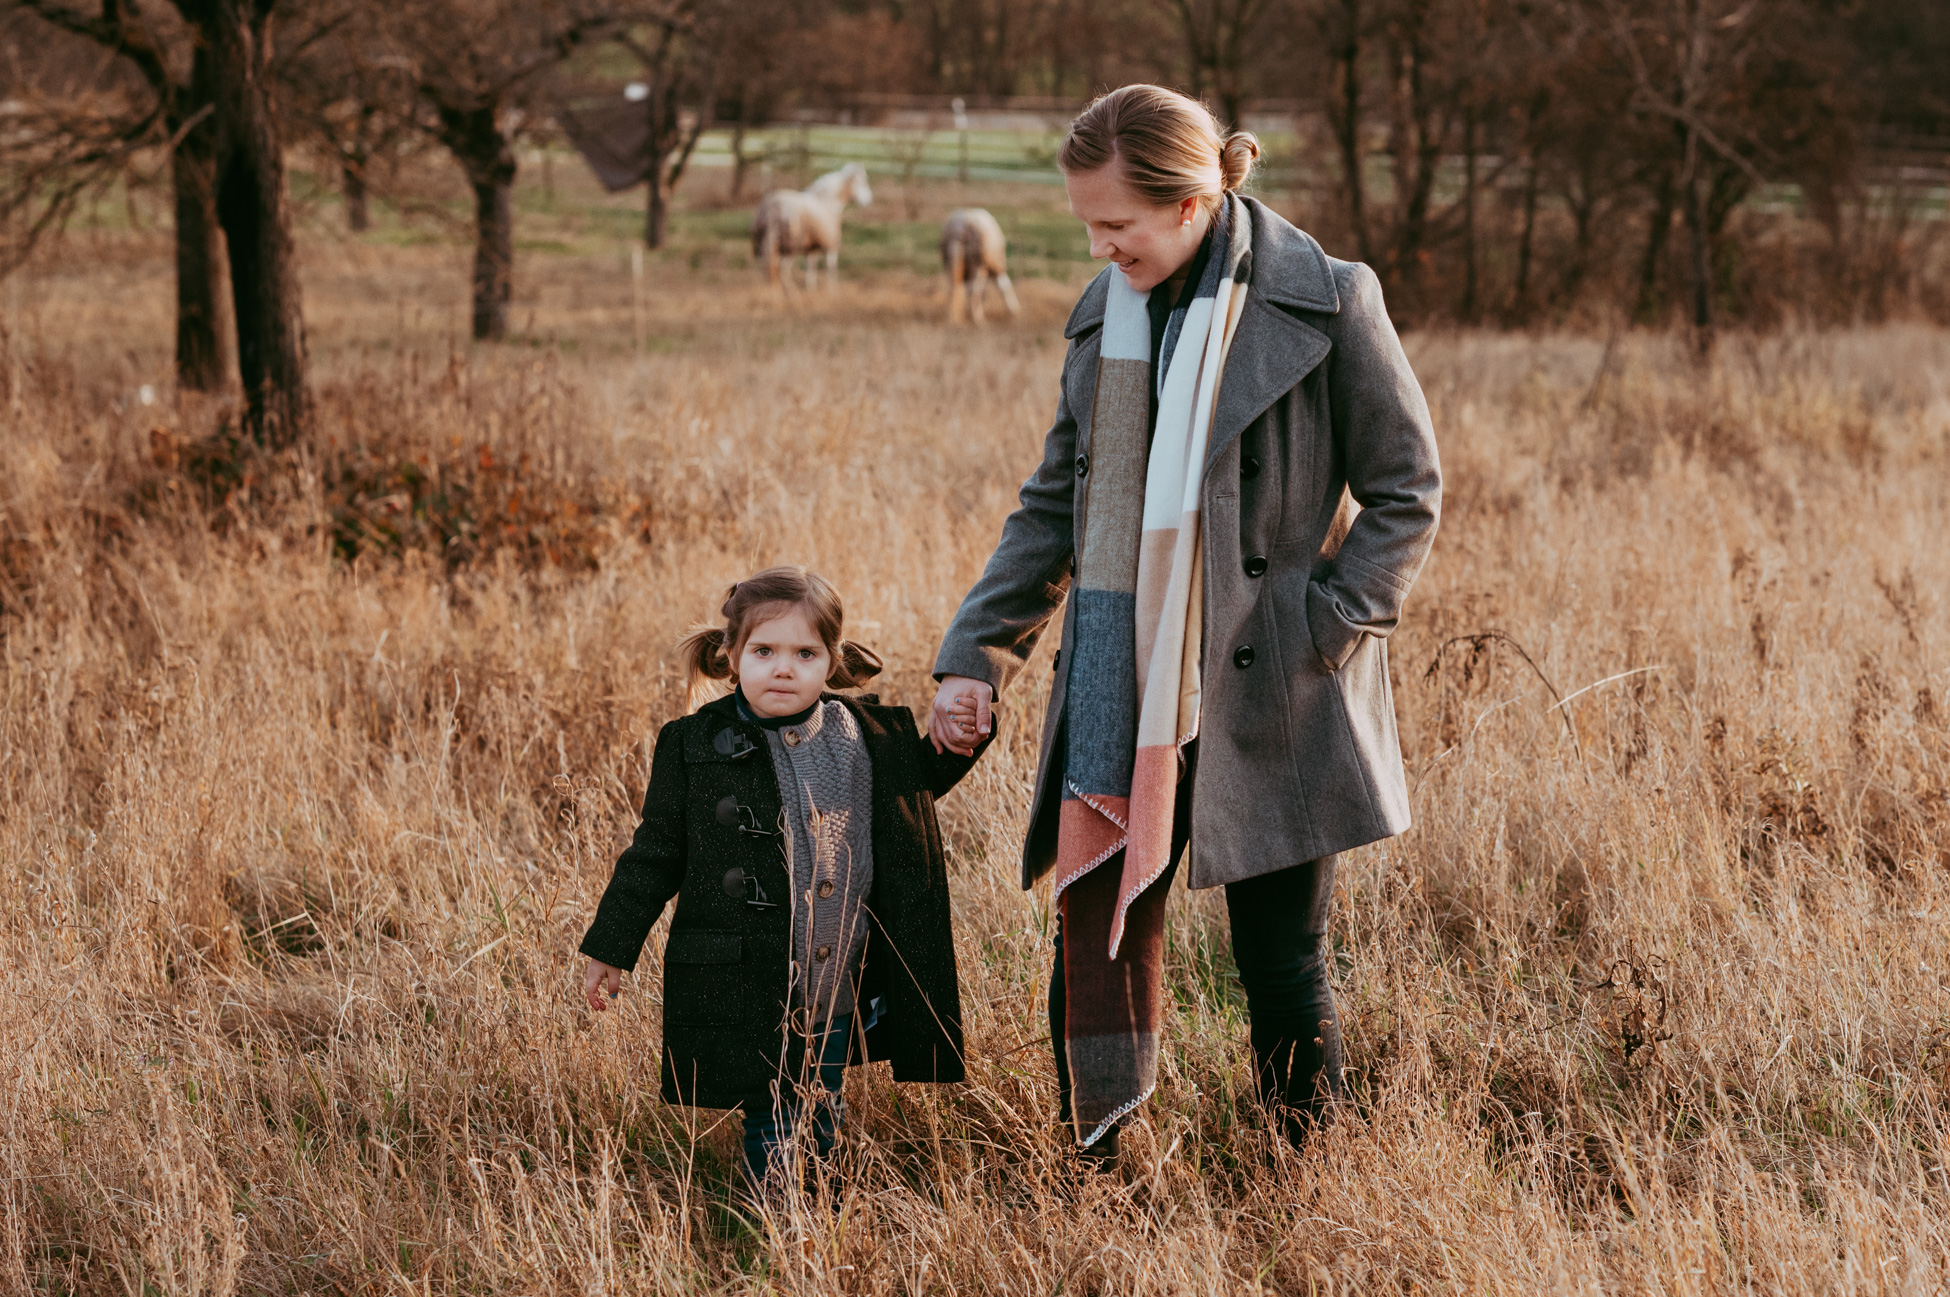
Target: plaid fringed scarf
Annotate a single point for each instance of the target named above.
(1133, 694)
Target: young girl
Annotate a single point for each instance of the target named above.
(796, 830)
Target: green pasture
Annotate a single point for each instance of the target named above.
(917, 176)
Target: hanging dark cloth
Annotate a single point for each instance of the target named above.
(613, 137)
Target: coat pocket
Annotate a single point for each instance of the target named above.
(704, 948)
(706, 985)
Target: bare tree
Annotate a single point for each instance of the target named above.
(351, 98)
(476, 67)
(679, 60)
(1684, 58)
(208, 67)
(234, 36)
(1218, 35)
(160, 91)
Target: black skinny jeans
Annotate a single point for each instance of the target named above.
(1279, 927)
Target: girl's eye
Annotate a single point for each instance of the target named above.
(805, 655)
(763, 652)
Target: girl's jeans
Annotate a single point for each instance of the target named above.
(771, 1121)
(1279, 923)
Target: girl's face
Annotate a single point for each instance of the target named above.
(1147, 242)
(784, 664)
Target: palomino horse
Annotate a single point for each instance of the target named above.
(973, 251)
(796, 222)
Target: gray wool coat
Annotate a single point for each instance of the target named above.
(1319, 504)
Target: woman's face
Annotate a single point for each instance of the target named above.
(783, 665)
(1147, 242)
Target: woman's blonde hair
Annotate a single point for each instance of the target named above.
(710, 653)
(1170, 146)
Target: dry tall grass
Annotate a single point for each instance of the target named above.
(302, 818)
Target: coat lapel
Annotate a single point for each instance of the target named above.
(1080, 369)
(1273, 350)
(1270, 355)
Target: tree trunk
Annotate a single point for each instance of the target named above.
(494, 252)
(1347, 127)
(1469, 219)
(656, 211)
(201, 363)
(473, 135)
(1583, 211)
(1416, 146)
(739, 162)
(358, 211)
(1696, 223)
(265, 294)
(1520, 302)
(1645, 308)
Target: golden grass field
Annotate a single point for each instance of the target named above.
(314, 767)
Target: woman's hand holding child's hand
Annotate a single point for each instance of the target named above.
(601, 984)
(959, 719)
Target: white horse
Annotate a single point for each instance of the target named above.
(806, 222)
(973, 249)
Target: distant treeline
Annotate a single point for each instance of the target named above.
(1505, 161)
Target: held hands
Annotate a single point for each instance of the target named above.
(601, 984)
(960, 717)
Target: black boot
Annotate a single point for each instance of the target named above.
(1300, 1078)
(1100, 1155)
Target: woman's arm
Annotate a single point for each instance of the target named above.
(651, 868)
(1382, 429)
(1026, 579)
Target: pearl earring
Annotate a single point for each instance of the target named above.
(1186, 223)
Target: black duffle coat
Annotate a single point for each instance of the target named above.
(727, 1033)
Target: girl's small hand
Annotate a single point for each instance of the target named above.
(601, 984)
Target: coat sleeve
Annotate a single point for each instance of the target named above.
(651, 869)
(1386, 441)
(1027, 577)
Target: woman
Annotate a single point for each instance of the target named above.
(1231, 394)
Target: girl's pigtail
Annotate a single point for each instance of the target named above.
(703, 655)
(853, 665)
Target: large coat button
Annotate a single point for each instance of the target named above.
(1249, 467)
(1242, 657)
(1083, 465)
(1256, 565)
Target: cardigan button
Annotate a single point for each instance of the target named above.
(1083, 465)
(1249, 467)
(1256, 565)
(822, 953)
(825, 887)
(1242, 657)
(793, 736)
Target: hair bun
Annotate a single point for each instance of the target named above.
(1236, 158)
